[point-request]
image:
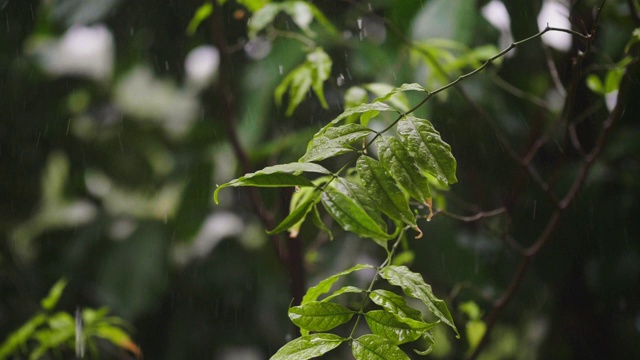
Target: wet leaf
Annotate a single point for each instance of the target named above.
(360, 109)
(403, 168)
(413, 285)
(396, 329)
(394, 303)
(383, 190)
(319, 316)
(317, 221)
(296, 216)
(343, 290)
(49, 302)
(375, 347)
(432, 154)
(396, 95)
(325, 285)
(361, 197)
(309, 346)
(282, 175)
(351, 216)
(335, 141)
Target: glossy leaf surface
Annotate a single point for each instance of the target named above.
(413, 285)
(324, 286)
(375, 347)
(424, 143)
(276, 176)
(360, 109)
(394, 303)
(319, 316)
(383, 190)
(307, 347)
(395, 328)
(403, 168)
(335, 141)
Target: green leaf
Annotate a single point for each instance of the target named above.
(262, 18)
(202, 13)
(325, 285)
(118, 337)
(17, 339)
(276, 176)
(309, 346)
(612, 81)
(301, 15)
(403, 168)
(413, 285)
(294, 217)
(49, 302)
(395, 304)
(343, 290)
(253, 5)
(319, 316)
(361, 197)
(317, 221)
(432, 154)
(351, 216)
(395, 95)
(335, 141)
(395, 328)
(311, 74)
(375, 347)
(383, 190)
(360, 109)
(430, 341)
(595, 84)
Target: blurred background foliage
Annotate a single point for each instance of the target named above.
(110, 151)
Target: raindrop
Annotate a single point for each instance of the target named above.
(281, 69)
(340, 80)
(166, 65)
(359, 20)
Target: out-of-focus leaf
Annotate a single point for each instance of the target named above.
(282, 175)
(413, 285)
(262, 18)
(351, 216)
(375, 347)
(51, 300)
(19, 338)
(310, 75)
(202, 13)
(253, 5)
(335, 141)
(395, 328)
(383, 190)
(431, 153)
(403, 168)
(72, 12)
(319, 316)
(394, 303)
(118, 337)
(194, 202)
(394, 95)
(309, 346)
(595, 84)
(325, 285)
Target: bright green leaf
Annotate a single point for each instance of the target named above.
(253, 5)
(307, 347)
(376, 106)
(403, 168)
(375, 347)
(424, 143)
(276, 176)
(262, 18)
(395, 328)
(394, 303)
(383, 190)
(595, 84)
(427, 337)
(202, 13)
(343, 290)
(319, 316)
(413, 285)
(325, 285)
(49, 302)
(351, 216)
(612, 81)
(19, 338)
(357, 193)
(395, 95)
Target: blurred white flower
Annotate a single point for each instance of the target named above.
(497, 15)
(83, 50)
(201, 66)
(143, 96)
(555, 13)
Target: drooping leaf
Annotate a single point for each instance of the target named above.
(375, 347)
(309, 346)
(427, 337)
(49, 302)
(396, 95)
(317, 221)
(262, 18)
(394, 303)
(310, 75)
(325, 285)
(335, 141)
(413, 285)
(282, 175)
(319, 316)
(351, 216)
(17, 339)
(343, 290)
(403, 168)
(431, 153)
(202, 13)
(294, 217)
(356, 192)
(395, 328)
(118, 337)
(383, 190)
